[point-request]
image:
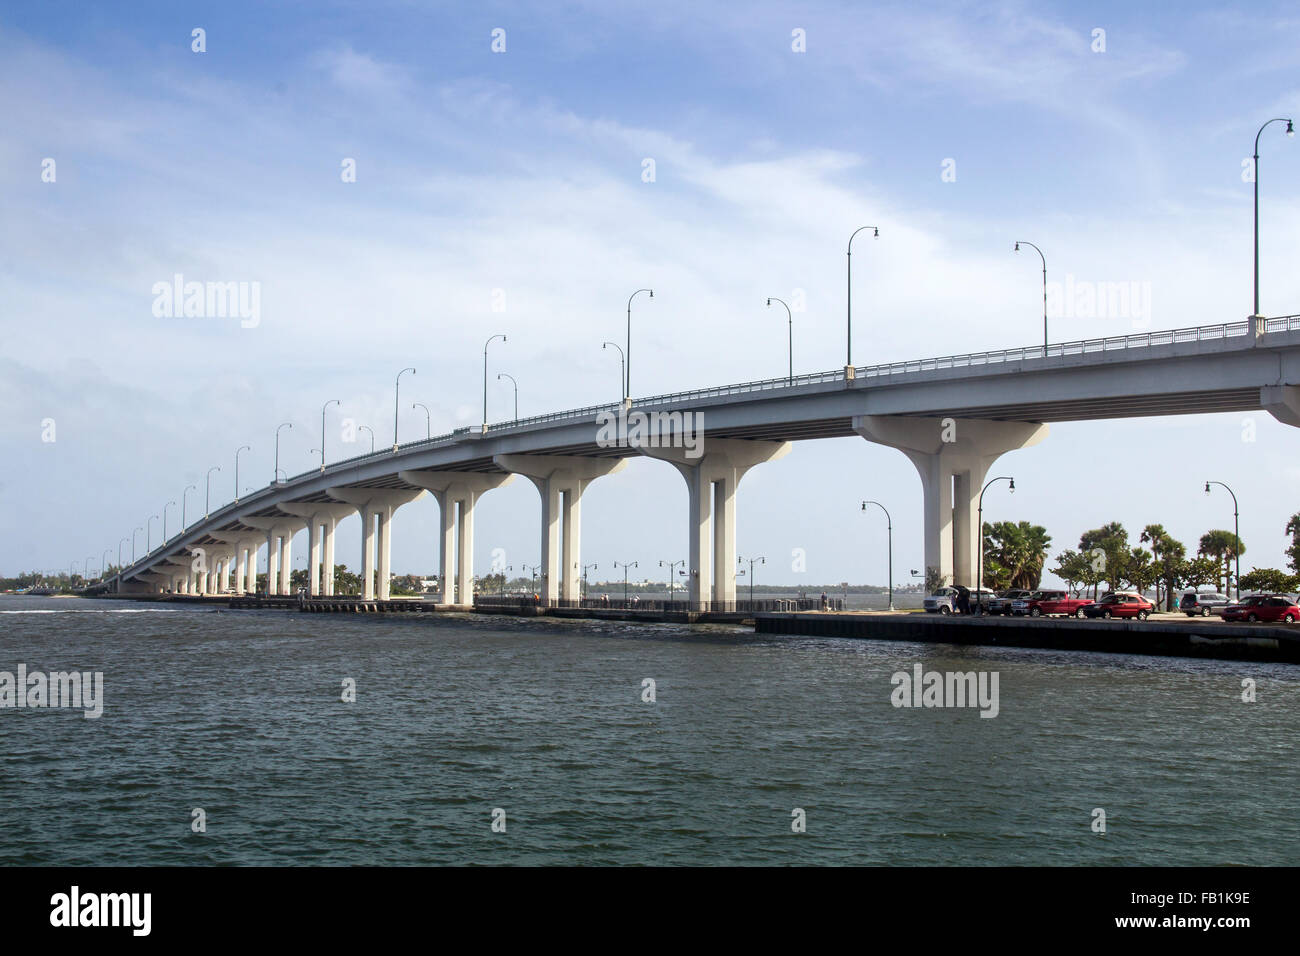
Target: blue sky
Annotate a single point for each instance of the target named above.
(521, 171)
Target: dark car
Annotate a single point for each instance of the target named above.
(1002, 603)
(1272, 608)
(1120, 604)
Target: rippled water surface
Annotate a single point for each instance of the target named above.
(239, 713)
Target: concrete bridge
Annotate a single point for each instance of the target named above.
(952, 416)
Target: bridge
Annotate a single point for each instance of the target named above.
(952, 416)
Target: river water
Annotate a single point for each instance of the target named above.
(239, 714)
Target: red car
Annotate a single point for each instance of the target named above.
(1069, 606)
(1264, 607)
(1120, 604)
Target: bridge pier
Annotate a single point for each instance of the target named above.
(375, 504)
(561, 480)
(456, 492)
(953, 458)
(711, 483)
(322, 520)
(279, 550)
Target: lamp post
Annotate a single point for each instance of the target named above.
(624, 567)
(1236, 528)
(790, 331)
(148, 535)
(242, 448)
(848, 365)
(207, 500)
(672, 575)
(1290, 131)
(627, 355)
(397, 388)
(103, 563)
(501, 375)
(170, 504)
(501, 336)
(332, 401)
(752, 562)
(367, 428)
(184, 494)
(275, 477)
(119, 555)
(585, 569)
(979, 561)
(622, 366)
(1044, 258)
(889, 525)
(428, 419)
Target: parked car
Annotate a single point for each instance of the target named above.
(942, 601)
(1069, 606)
(1002, 603)
(1204, 603)
(1029, 604)
(1272, 608)
(1119, 604)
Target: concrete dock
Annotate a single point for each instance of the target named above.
(1168, 637)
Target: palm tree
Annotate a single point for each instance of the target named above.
(1223, 546)
(1014, 554)
(1169, 553)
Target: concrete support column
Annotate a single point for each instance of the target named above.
(250, 586)
(286, 562)
(561, 480)
(456, 491)
(272, 562)
(375, 505)
(712, 471)
(329, 528)
(953, 458)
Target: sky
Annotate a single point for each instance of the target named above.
(508, 191)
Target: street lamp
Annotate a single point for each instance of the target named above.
(790, 331)
(170, 504)
(1044, 258)
(1236, 537)
(585, 569)
(1290, 131)
(624, 567)
(501, 375)
(672, 575)
(848, 367)
(752, 562)
(397, 388)
(428, 419)
(184, 494)
(207, 500)
(275, 477)
(622, 366)
(502, 337)
(979, 561)
(103, 563)
(119, 554)
(627, 382)
(366, 428)
(332, 401)
(889, 525)
(242, 448)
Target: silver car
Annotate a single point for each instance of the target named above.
(942, 601)
(1204, 603)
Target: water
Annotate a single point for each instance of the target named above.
(239, 713)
